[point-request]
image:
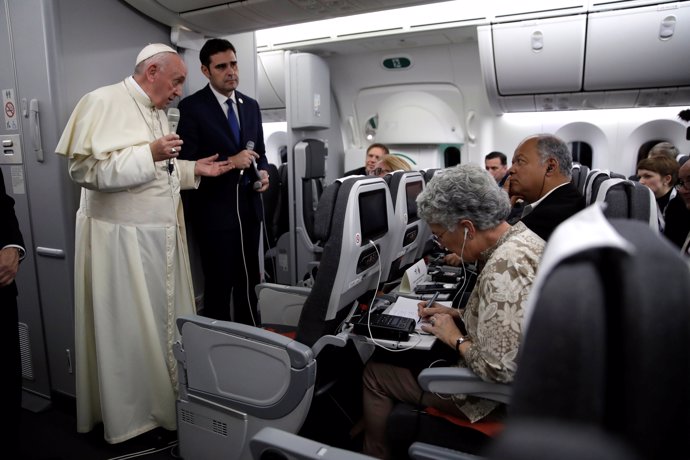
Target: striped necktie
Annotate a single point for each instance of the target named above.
(232, 120)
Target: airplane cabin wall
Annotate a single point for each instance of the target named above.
(353, 74)
(64, 50)
(614, 134)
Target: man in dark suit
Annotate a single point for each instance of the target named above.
(541, 175)
(11, 252)
(375, 152)
(225, 212)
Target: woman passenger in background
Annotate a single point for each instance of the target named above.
(466, 213)
(390, 163)
(659, 174)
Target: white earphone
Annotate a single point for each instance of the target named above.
(466, 229)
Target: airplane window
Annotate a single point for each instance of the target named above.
(582, 153)
(451, 156)
(644, 149)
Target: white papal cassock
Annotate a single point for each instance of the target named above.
(132, 272)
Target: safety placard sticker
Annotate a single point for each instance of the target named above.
(9, 106)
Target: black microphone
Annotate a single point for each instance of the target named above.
(257, 184)
(173, 120)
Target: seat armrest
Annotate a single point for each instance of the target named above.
(272, 440)
(459, 380)
(339, 341)
(424, 451)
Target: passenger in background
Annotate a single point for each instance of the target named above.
(517, 202)
(226, 212)
(374, 153)
(684, 193)
(664, 149)
(11, 253)
(390, 163)
(497, 164)
(132, 275)
(466, 212)
(541, 175)
(659, 173)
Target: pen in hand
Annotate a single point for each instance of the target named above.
(430, 303)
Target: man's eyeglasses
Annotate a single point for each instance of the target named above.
(683, 184)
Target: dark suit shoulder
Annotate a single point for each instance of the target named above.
(677, 221)
(558, 206)
(362, 171)
(246, 99)
(204, 95)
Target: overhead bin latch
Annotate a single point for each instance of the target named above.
(667, 28)
(537, 41)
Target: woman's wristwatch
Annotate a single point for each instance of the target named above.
(459, 342)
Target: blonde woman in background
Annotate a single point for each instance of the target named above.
(390, 163)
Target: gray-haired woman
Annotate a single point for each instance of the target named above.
(466, 213)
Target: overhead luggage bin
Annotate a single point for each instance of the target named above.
(544, 54)
(617, 40)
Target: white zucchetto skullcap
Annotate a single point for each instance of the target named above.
(153, 49)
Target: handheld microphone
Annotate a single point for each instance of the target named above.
(257, 184)
(173, 119)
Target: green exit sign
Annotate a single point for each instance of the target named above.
(396, 63)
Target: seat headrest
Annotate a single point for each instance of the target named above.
(585, 230)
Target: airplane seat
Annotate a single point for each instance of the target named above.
(546, 440)
(608, 305)
(274, 444)
(628, 199)
(356, 242)
(426, 243)
(579, 177)
(406, 230)
(271, 204)
(234, 380)
(430, 173)
(307, 165)
(348, 218)
(276, 216)
(283, 219)
(635, 390)
(594, 178)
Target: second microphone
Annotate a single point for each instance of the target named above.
(257, 183)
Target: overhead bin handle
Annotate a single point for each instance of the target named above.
(537, 41)
(667, 28)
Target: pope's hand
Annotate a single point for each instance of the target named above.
(210, 167)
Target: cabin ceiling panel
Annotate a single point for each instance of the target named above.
(399, 42)
(217, 18)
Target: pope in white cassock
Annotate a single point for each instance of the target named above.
(132, 271)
